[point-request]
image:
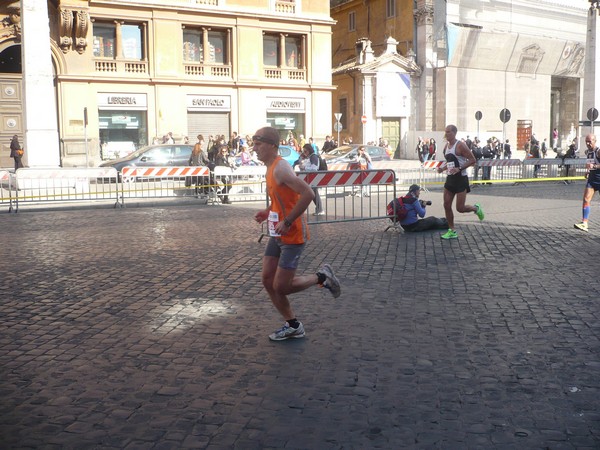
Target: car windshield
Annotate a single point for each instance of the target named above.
(339, 151)
(138, 152)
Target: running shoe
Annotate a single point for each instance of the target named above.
(287, 332)
(450, 234)
(319, 213)
(331, 282)
(479, 211)
(583, 226)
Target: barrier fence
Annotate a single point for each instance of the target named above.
(338, 186)
(348, 195)
(497, 171)
(40, 186)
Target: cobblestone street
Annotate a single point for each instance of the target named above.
(146, 328)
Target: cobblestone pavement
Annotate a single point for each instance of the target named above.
(146, 328)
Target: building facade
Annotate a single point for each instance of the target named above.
(128, 72)
(471, 56)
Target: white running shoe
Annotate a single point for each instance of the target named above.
(287, 332)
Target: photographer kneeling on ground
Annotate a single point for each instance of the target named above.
(416, 207)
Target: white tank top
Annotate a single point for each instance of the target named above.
(454, 160)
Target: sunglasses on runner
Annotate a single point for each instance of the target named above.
(257, 138)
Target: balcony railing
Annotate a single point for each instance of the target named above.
(206, 70)
(285, 74)
(285, 6)
(121, 67)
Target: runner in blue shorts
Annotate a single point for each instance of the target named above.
(593, 179)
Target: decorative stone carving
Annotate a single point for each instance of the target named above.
(11, 25)
(424, 15)
(530, 59)
(65, 29)
(81, 29)
(571, 62)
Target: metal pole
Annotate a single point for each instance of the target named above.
(85, 122)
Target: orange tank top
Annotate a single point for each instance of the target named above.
(283, 199)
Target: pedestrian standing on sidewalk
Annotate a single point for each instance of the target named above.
(593, 179)
(309, 162)
(458, 158)
(16, 152)
(288, 230)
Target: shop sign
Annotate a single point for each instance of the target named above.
(283, 104)
(208, 102)
(122, 101)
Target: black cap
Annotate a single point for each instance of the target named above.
(414, 188)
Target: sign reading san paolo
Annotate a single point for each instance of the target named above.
(208, 102)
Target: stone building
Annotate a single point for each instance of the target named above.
(454, 58)
(137, 70)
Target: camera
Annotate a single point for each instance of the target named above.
(425, 203)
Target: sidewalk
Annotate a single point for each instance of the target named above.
(146, 328)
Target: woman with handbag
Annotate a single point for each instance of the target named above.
(16, 152)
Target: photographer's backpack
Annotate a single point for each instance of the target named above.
(397, 207)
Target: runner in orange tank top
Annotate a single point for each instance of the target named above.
(288, 230)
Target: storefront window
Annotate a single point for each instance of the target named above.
(286, 122)
(122, 132)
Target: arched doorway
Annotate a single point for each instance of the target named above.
(11, 99)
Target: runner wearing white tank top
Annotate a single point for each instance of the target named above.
(458, 159)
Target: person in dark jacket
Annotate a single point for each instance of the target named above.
(223, 159)
(16, 152)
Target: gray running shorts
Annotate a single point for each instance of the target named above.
(288, 254)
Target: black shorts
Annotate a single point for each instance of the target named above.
(457, 183)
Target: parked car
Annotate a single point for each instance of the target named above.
(154, 156)
(289, 153)
(348, 153)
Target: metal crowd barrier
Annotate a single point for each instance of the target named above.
(40, 185)
(247, 183)
(513, 171)
(349, 195)
(6, 188)
(557, 169)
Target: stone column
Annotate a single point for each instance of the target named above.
(591, 74)
(424, 55)
(39, 109)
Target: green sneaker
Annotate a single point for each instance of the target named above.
(479, 211)
(450, 234)
(583, 226)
